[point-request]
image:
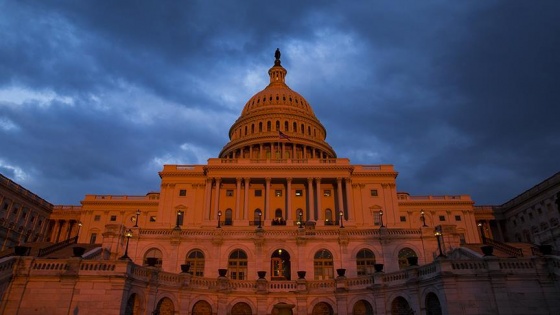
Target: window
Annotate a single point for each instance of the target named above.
(442, 218)
(153, 257)
(229, 193)
(299, 192)
(229, 217)
(278, 193)
(97, 217)
(376, 218)
(153, 218)
(32, 219)
(373, 192)
(457, 218)
(530, 215)
(182, 193)
(365, 259)
(323, 265)
(327, 192)
(328, 217)
(258, 192)
(196, 259)
(404, 254)
(403, 218)
(180, 217)
(237, 265)
(113, 218)
(93, 238)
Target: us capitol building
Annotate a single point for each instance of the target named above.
(276, 224)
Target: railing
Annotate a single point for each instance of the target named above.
(53, 248)
(508, 249)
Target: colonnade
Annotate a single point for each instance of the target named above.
(313, 206)
(61, 230)
(279, 150)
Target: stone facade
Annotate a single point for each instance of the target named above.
(277, 224)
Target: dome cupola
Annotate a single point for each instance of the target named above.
(277, 123)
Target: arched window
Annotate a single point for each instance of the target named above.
(280, 267)
(362, 307)
(400, 306)
(322, 308)
(404, 254)
(277, 125)
(286, 125)
(237, 265)
(323, 265)
(278, 218)
(365, 259)
(256, 217)
(196, 259)
(165, 307)
(202, 308)
(260, 127)
(252, 128)
(328, 217)
(433, 307)
(294, 128)
(268, 126)
(229, 217)
(153, 257)
(302, 129)
(241, 308)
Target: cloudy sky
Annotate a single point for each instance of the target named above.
(462, 97)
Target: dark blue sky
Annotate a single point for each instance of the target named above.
(462, 97)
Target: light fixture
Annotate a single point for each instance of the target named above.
(128, 235)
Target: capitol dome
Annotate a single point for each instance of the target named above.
(277, 123)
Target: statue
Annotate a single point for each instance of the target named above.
(277, 54)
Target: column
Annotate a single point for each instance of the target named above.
(267, 214)
(320, 212)
(311, 206)
(216, 199)
(207, 199)
(349, 198)
(289, 218)
(237, 198)
(340, 198)
(246, 199)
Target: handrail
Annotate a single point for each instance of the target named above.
(508, 249)
(54, 247)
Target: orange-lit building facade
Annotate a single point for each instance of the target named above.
(277, 224)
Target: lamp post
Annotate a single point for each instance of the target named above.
(79, 228)
(423, 218)
(381, 218)
(137, 216)
(341, 218)
(481, 226)
(300, 222)
(219, 219)
(128, 235)
(260, 215)
(438, 235)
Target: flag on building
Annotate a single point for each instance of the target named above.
(283, 135)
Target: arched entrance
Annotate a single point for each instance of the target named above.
(132, 305)
(280, 265)
(362, 307)
(433, 307)
(202, 308)
(241, 308)
(165, 307)
(322, 308)
(400, 306)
